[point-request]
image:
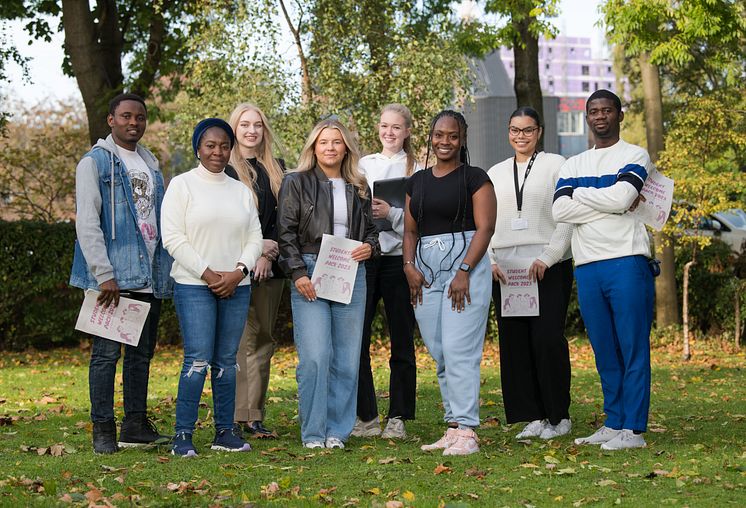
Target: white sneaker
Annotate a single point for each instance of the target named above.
(533, 429)
(394, 429)
(313, 444)
(551, 431)
(333, 442)
(444, 442)
(371, 428)
(466, 443)
(625, 439)
(601, 436)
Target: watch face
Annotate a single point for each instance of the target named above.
(464, 267)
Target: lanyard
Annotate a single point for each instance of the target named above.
(519, 190)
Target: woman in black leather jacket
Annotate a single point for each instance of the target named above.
(326, 195)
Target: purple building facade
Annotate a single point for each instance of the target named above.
(568, 71)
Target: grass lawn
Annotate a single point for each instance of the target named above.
(696, 454)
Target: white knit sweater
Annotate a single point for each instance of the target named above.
(209, 220)
(551, 240)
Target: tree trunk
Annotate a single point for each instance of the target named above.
(666, 305)
(738, 315)
(687, 353)
(307, 91)
(95, 59)
(526, 81)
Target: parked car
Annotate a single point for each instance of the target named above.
(728, 226)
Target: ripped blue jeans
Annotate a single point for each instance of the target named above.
(211, 328)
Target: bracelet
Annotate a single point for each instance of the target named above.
(408, 263)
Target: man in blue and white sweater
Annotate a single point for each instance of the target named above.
(611, 247)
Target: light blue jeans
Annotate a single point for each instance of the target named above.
(327, 337)
(454, 339)
(211, 327)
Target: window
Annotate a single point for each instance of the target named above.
(570, 123)
(551, 82)
(586, 86)
(608, 85)
(585, 70)
(546, 66)
(550, 50)
(608, 68)
(595, 85)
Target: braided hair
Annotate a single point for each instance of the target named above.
(461, 209)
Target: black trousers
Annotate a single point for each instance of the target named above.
(385, 279)
(534, 356)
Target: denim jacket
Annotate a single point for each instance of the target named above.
(109, 243)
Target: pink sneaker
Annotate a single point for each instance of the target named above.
(444, 442)
(466, 443)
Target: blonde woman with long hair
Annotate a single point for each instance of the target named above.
(386, 280)
(253, 163)
(326, 194)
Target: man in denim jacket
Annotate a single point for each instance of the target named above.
(119, 189)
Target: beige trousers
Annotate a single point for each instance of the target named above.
(256, 350)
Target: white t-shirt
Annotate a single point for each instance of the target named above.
(143, 194)
(340, 207)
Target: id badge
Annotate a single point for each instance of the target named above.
(518, 223)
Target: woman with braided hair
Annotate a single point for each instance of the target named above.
(449, 219)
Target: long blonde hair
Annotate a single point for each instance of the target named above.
(246, 172)
(307, 160)
(403, 111)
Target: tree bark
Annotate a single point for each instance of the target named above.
(687, 353)
(526, 82)
(307, 91)
(156, 36)
(666, 304)
(95, 53)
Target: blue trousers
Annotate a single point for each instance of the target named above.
(211, 327)
(327, 337)
(454, 339)
(616, 302)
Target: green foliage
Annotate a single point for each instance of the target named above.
(538, 11)
(712, 286)
(705, 153)
(699, 42)
(37, 307)
(40, 153)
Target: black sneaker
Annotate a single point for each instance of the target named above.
(257, 430)
(183, 445)
(138, 430)
(230, 440)
(105, 437)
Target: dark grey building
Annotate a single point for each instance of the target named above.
(488, 114)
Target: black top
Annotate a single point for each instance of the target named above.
(443, 206)
(266, 202)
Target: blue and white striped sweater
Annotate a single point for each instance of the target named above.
(594, 194)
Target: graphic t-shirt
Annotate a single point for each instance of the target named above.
(143, 193)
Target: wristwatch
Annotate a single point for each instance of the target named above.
(244, 270)
(464, 267)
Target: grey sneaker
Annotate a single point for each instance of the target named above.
(625, 439)
(313, 444)
(601, 436)
(533, 429)
(551, 431)
(394, 429)
(334, 442)
(370, 428)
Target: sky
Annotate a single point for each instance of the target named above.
(577, 18)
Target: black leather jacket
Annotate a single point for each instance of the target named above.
(306, 212)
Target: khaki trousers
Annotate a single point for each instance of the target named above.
(256, 350)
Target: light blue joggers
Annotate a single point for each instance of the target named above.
(454, 339)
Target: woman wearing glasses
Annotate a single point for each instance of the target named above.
(534, 356)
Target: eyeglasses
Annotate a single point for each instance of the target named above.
(527, 131)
